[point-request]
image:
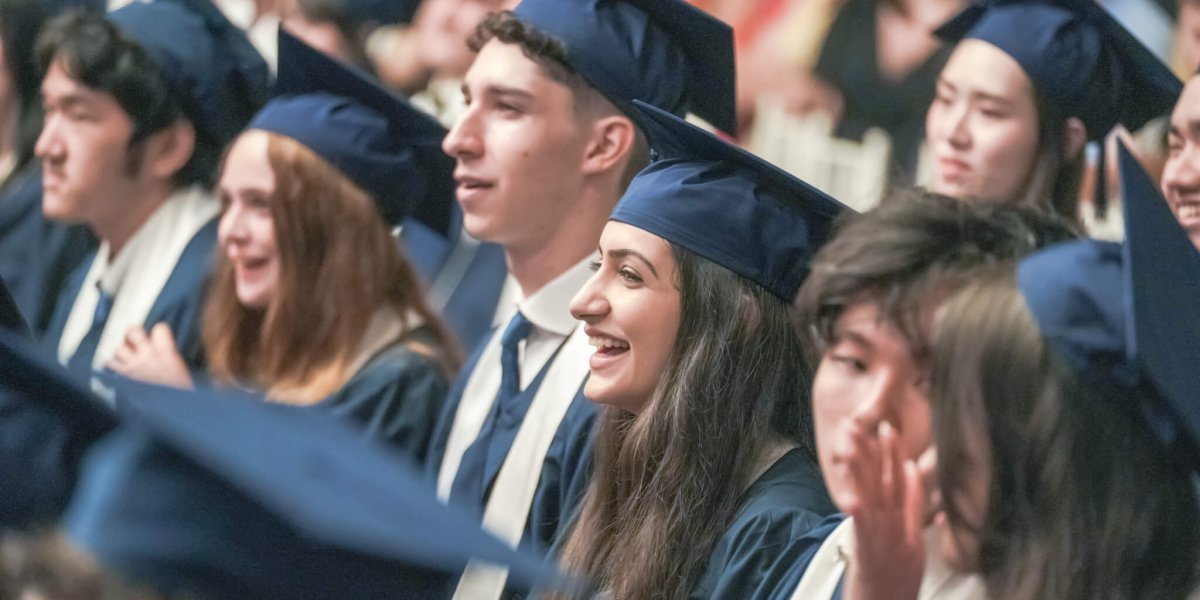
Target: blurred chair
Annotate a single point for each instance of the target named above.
(854, 173)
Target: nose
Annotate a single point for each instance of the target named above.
(879, 402)
(463, 140)
(48, 146)
(590, 305)
(232, 228)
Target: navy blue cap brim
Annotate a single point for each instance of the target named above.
(305, 70)
(320, 476)
(1163, 267)
(709, 46)
(673, 138)
(1150, 88)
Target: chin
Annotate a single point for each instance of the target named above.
(605, 395)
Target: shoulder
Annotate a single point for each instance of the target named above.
(399, 364)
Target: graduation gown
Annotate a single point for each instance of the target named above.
(178, 302)
(37, 256)
(825, 549)
(768, 532)
(564, 475)
(464, 278)
(395, 397)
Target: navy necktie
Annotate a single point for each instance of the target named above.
(468, 481)
(80, 363)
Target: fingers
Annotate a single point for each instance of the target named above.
(161, 337)
(914, 503)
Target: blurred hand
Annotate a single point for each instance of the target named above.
(151, 358)
(888, 506)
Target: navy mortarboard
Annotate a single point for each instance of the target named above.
(224, 497)
(377, 12)
(664, 52)
(380, 142)
(727, 205)
(1080, 59)
(208, 62)
(47, 422)
(1125, 315)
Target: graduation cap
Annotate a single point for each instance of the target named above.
(47, 422)
(664, 52)
(1126, 314)
(382, 143)
(205, 59)
(727, 205)
(1078, 56)
(224, 496)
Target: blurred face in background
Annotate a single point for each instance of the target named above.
(443, 27)
(982, 128)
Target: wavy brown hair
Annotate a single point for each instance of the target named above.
(1084, 502)
(669, 480)
(339, 266)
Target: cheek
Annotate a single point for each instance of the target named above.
(831, 405)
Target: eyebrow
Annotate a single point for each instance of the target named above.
(854, 337)
(507, 91)
(619, 254)
(1192, 126)
(71, 99)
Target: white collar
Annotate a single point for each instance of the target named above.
(549, 308)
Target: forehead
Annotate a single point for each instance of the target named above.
(976, 65)
(862, 322)
(1187, 109)
(247, 164)
(506, 65)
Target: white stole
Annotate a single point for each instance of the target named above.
(156, 249)
(828, 566)
(512, 495)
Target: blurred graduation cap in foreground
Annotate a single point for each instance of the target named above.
(1126, 314)
(223, 496)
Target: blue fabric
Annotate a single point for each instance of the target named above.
(179, 304)
(37, 256)
(484, 457)
(727, 205)
(1078, 56)
(388, 148)
(207, 61)
(795, 561)
(229, 498)
(394, 398)
(565, 472)
(468, 302)
(664, 52)
(48, 421)
(1125, 315)
(80, 363)
(768, 532)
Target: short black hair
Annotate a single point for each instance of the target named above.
(96, 53)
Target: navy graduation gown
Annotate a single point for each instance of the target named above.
(565, 472)
(395, 397)
(474, 274)
(790, 568)
(37, 256)
(769, 531)
(179, 304)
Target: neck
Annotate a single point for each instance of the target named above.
(117, 228)
(572, 240)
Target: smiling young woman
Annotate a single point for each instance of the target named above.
(312, 301)
(704, 452)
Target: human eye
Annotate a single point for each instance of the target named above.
(594, 265)
(630, 276)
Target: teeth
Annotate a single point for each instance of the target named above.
(606, 343)
(1190, 210)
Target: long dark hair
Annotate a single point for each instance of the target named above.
(1056, 178)
(668, 481)
(1084, 503)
